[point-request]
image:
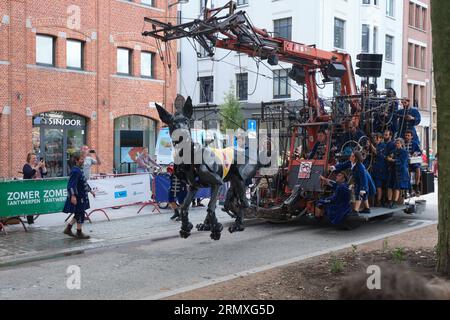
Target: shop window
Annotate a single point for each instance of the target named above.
(131, 134)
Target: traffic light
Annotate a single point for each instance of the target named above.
(369, 65)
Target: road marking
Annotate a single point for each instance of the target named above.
(424, 223)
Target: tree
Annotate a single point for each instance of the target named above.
(231, 116)
(440, 13)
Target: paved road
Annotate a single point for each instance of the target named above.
(154, 268)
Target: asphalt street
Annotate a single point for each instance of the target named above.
(151, 268)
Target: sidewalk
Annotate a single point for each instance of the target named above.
(45, 240)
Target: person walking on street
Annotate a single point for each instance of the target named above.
(77, 201)
(33, 169)
(90, 159)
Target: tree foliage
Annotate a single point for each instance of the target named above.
(231, 114)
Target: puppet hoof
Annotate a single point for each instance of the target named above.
(203, 227)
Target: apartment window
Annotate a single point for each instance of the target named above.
(389, 56)
(339, 33)
(242, 86)
(148, 2)
(281, 88)
(388, 83)
(390, 5)
(147, 64)
(45, 50)
(416, 56)
(74, 54)
(365, 38)
(123, 61)
(424, 19)
(283, 28)
(412, 7)
(375, 39)
(206, 89)
(366, 2)
(242, 2)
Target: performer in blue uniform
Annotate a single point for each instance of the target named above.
(337, 206)
(363, 186)
(401, 181)
(408, 118)
(386, 118)
(77, 201)
(413, 150)
(379, 167)
(353, 133)
(319, 150)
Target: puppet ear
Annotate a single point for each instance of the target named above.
(188, 108)
(165, 116)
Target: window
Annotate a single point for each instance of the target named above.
(337, 88)
(365, 38)
(375, 39)
(411, 14)
(283, 28)
(123, 61)
(148, 2)
(390, 5)
(281, 88)
(416, 56)
(388, 83)
(147, 64)
(45, 50)
(339, 33)
(389, 56)
(206, 89)
(242, 86)
(74, 54)
(366, 2)
(242, 2)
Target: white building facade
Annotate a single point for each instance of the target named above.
(352, 26)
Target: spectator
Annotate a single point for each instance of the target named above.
(336, 207)
(90, 158)
(33, 169)
(401, 180)
(436, 166)
(77, 201)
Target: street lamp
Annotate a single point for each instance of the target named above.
(178, 2)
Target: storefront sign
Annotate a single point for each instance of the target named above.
(62, 119)
(26, 197)
(119, 191)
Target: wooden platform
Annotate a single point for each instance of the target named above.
(378, 212)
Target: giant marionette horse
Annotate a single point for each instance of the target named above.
(211, 171)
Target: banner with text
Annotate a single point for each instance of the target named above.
(27, 197)
(119, 191)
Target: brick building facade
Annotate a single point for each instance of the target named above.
(418, 60)
(32, 92)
